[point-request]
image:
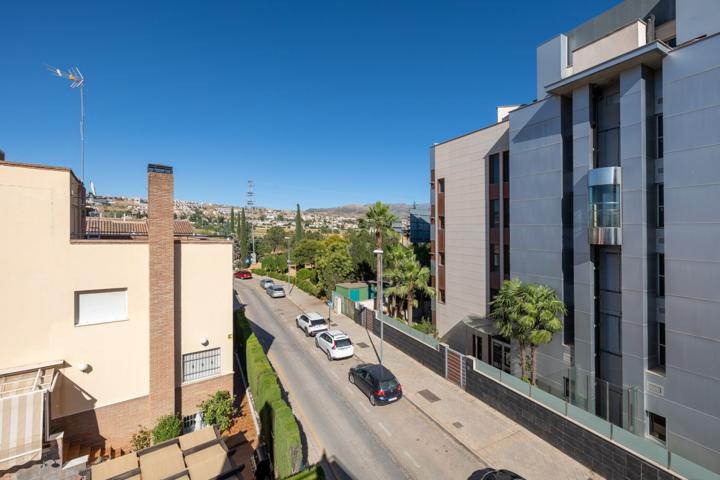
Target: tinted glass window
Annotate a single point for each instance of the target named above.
(506, 166)
(343, 342)
(494, 169)
(389, 384)
(494, 213)
(317, 322)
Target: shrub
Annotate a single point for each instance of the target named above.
(168, 427)
(426, 327)
(259, 271)
(287, 447)
(309, 274)
(219, 409)
(275, 263)
(313, 473)
(140, 439)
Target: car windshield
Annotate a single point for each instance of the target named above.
(390, 384)
(277, 288)
(315, 323)
(343, 342)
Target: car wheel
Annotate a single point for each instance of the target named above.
(316, 343)
(307, 334)
(372, 400)
(329, 356)
(351, 378)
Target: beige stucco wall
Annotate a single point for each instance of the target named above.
(204, 272)
(41, 269)
(462, 162)
(610, 46)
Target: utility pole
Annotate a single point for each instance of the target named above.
(379, 313)
(77, 81)
(251, 207)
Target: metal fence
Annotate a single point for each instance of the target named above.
(428, 340)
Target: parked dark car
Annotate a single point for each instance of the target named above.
(377, 382)
(243, 274)
(501, 475)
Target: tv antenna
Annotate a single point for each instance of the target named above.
(77, 80)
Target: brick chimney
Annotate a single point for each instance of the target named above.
(162, 291)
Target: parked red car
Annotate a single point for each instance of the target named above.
(243, 274)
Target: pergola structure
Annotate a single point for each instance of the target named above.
(24, 411)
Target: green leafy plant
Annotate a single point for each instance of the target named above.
(168, 427)
(426, 327)
(219, 410)
(141, 439)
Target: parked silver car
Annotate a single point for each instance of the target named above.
(265, 283)
(275, 291)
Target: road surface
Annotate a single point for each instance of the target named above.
(389, 442)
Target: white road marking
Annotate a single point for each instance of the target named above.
(411, 459)
(385, 429)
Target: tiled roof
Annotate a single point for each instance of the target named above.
(114, 226)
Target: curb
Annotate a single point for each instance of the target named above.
(448, 432)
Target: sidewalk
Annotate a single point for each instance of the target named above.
(483, 431)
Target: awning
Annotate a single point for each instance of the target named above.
(480, 324)
(22, 411)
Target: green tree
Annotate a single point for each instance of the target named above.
(298, 225)
(335, 264)
(232, 220)
(361, 252)
(530, 314)
(275, 237)
(307, 252)
(409, 279)
(243, 235)
(378, 221)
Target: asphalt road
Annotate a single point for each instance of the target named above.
(389, 442)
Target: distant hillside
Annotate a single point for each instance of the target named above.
(401, 210)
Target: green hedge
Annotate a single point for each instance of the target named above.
(275, 263)
(313, 473)
(276, 418)
(309, 274)
(287, 446)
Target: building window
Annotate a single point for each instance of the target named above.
(506, 166)
(506, 262)
(494, 213)
(441, 258)
(661, 345)
(441, 185)
(191, 423)
(660, 205)
(660, 146)
(202, 364)
(101, 306)
(441, 295)
(506, 213)
(493, 293)
(656, 426)
(441, 219)
(566, 387)
(494, 167)
(661, 275)
(494, 258)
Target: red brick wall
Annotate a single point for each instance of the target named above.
(162, 293)
(192, 394)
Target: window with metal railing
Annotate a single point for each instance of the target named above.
(203, 364)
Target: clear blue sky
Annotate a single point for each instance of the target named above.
(320, 102)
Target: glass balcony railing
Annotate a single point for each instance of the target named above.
(605, 206)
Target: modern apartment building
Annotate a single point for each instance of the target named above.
(105, 329)
(614, 183)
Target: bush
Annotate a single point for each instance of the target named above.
(218, 410)
(426, 328)
(313, 473)
(309, 274)
(275, 263)
(259, 271)
(287, 447)
(140, 439)
(168, 427)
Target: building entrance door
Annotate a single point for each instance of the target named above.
(501, 358)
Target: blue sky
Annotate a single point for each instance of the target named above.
(320, 102)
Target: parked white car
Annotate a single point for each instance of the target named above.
(311, 323)
(335, 344)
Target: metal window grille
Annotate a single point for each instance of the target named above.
(201, 364)
(190, 423)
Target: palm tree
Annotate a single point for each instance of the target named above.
(544, 309)
(530, 314)
(378, 221)
(507, 317)
(408, 279)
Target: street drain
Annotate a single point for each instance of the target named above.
(362, 345)
(429, 396)
(457, 425)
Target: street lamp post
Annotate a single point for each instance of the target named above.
(379, 313)
(288, 260)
